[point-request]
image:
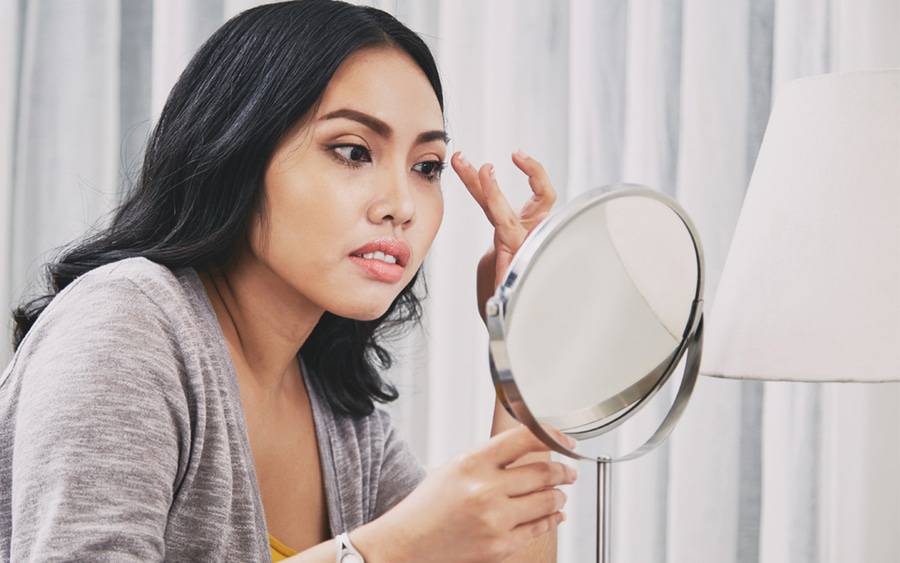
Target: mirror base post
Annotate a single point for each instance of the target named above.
(603, 510)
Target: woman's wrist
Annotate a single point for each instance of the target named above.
(377, 542)
(485, 281)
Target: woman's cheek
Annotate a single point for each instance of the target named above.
(437, 215)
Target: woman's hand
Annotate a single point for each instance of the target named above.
(510, 228)
(475, 508)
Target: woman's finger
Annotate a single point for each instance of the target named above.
(539, 504)
(525, 479)
(506, 222)
(468, 175)
(544, 194)
(558, 435)
(523, 533)
(511, 444)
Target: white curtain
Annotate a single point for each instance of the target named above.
(672, 94)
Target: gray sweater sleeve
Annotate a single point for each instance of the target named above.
(401, 472)
(101, 428)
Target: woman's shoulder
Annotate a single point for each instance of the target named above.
(137, 285)
(127, 301)
(128, 277)
(103, 340)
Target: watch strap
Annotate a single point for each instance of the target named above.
(346, 552)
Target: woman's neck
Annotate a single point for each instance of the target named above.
(264, 320)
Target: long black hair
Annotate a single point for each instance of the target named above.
(202, 176)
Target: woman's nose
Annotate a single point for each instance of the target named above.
(395, 202)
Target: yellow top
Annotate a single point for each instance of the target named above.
(280, 551)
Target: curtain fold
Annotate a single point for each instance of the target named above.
(675, 95)
(64, 162)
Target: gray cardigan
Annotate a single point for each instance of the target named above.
(122, 436)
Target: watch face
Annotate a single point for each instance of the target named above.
(351, 558)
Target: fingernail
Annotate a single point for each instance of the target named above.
(462, 159)
(572, 442)
(521, 154)
(573, 473)
(491, 170)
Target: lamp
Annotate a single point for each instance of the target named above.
(811, 285)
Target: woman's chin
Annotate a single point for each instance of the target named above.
(366, 313)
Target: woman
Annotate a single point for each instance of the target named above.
(200, 384)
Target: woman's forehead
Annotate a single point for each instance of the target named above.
(387, 84)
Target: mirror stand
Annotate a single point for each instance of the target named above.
(604, 469)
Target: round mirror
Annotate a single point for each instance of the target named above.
(598, 307)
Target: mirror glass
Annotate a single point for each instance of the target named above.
(599, 312)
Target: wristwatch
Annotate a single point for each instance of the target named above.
(346, 553)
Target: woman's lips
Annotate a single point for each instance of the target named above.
(387, 245)
(378, 269)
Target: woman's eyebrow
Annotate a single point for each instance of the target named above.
(382, 128)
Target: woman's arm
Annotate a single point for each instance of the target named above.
(510, 231)
(477, 508)
(100, 425)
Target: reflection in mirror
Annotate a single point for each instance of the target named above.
(599, 313)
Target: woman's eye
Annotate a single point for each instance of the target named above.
(356, 155)
(431, 169)
(352, 155)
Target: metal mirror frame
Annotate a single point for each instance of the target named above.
(502, 303)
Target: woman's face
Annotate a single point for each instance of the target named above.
(364, 168)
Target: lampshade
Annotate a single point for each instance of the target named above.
(811, 285)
